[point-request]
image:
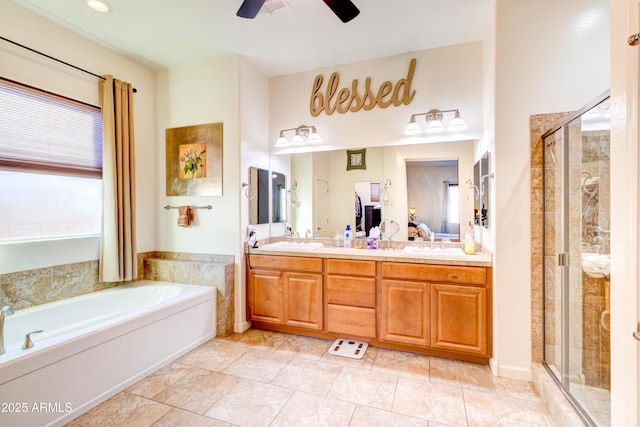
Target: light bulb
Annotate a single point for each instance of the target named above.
(314, 138)
(457, 124)
(297, 139)
(282, 141)
(413, 128)
(434, 126)
(99, 5)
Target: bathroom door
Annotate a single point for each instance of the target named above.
(322, 208)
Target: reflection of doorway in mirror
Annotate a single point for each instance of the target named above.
(367, 193)
(322, 208)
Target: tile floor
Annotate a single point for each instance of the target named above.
(262, 378)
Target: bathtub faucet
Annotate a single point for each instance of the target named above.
(6, 311)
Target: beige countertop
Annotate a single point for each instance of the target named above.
(481, 259)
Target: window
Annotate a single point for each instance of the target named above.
(454, 204)
(50, 164)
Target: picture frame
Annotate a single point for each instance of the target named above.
(194, 160)
(356, 159)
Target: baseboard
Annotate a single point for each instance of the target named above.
(513, 372)
(239, 328)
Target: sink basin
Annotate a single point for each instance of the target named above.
(286, 246)
(435, 252)
(596, 265)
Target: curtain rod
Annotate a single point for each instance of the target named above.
(56, 59)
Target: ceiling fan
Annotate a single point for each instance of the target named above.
(344, 9)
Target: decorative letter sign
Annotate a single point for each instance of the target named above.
(348, 99)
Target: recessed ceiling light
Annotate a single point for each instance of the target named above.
(99, 5)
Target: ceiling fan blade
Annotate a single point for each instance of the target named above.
(344, 9)
(249, 8)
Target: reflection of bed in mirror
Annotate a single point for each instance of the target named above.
(421, 230)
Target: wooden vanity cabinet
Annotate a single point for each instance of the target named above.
(285, 291)
(437, 306)
(351, 297)
(444, 310)
(405, 309)
(459, 318)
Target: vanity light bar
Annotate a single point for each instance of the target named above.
(434, 123)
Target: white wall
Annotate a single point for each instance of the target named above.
(208, 93)
(445, 78)
(254, 151)
(550, 57)
(625, 289)
(19, 25)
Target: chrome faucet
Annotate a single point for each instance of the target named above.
(296, 237)
(306, 236)
(6, 311)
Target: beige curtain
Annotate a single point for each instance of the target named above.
(118, 254)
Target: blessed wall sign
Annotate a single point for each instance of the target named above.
(330, 99)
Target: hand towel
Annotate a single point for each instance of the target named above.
(185, 216)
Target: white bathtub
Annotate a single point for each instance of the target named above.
(96, 345)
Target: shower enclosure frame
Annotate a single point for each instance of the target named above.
(563, 258)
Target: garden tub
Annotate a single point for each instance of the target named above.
(95, 345)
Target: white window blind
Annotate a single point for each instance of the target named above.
(45, 132)
(50, 165)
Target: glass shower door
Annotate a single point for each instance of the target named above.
(576, 261)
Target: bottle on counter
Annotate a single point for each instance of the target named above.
(347, 236)
(337, 240)
(469, 244)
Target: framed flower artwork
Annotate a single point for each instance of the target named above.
(194, 160)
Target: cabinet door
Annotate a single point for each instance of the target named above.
(459, 318)
(266, 296)
(405, 312)
(303, 300)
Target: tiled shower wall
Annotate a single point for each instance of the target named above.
(539, 123)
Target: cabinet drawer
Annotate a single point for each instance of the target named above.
(358, 291)
(348, 320)
(289, 263)
(435, 273)
(351, 267)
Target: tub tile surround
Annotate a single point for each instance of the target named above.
(308, 386)
(197, 269)
(24, 289)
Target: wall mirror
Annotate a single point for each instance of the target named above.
(278, 197)
(481, 187)
(484, 189)
(327, 190)
(433, 199)
(259, 204)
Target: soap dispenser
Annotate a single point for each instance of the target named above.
(347, 237)
(469, 244)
